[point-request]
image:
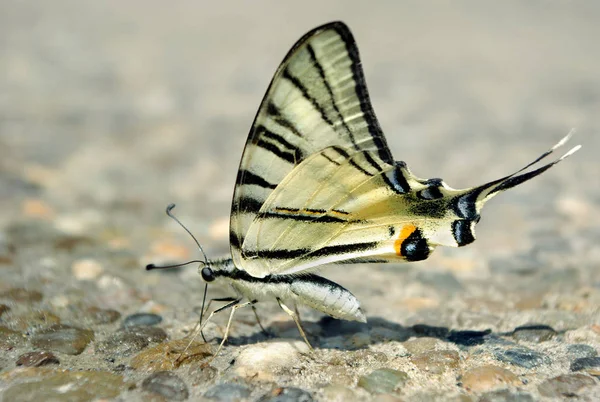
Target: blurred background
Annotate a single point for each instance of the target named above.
(111, 110)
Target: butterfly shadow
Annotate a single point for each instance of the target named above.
(330, 333)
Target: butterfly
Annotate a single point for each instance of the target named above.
(317, 184)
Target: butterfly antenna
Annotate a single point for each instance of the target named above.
(151, 267)
(169, 210)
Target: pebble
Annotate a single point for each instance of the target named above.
(228, 392)
(3, 309)
(566, 386)
(86, 269)
(522, 357)
(201, 374)
(162, 356)
(505, 395)
(438, 396)
(99, 316)
(383, 381)
(436, 361)
(129, 340)
(166, 384)
(338, 393)
(286, 395)
(20, 295)
(62, 339)
(37, 359)
(33, 320)
(534, 333)
(579, 350)
(590, 365)
(262, 361)
(421, 345)
(10, 339)
(145, 319)
(488, 377)
(68, 386)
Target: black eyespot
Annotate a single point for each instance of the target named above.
(432, 192)
(207, 274)
(415, 247)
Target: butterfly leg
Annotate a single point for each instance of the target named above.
(233, 310)
(199, 329)
(218, 299)
(296, 320)
(258, 319)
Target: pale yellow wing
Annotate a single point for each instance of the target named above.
(317, 98)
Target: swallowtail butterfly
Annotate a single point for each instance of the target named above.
(317, 184)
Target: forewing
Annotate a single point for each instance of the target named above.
(317, 99)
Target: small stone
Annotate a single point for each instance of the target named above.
(201, 375)
(144, 319)
(163, 356)
(590, 365)
(522, 357)
(33, 320)
(19, 295)
(262, 361)
(10, 339)
(86, 269)
(579, 350)
(506, 395)
(37, 359)
(357, 341)
(436, 362)
(286, 395)
(98, 316)
(389, 398)
(566, 385)
(63, 339)
(3, 309)
(228, 392)
(438, 396)
(166, 384)
(68, 386)
(488, 377)
(130, 340)
(338, 393)
(421, 345)
(534, 333)
(383, 381)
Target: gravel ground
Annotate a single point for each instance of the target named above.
(111, 110)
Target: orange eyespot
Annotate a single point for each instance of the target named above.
(406, 231)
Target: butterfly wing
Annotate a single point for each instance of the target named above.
(337, 207)
(317, 99)
(317, 183)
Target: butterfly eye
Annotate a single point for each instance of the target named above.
(207, 274)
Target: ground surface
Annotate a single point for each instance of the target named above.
(111, 110)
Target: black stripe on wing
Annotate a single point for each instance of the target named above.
(250, 178)
(282, 254)
(296, 82)
(361, 91)
(319, 68)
